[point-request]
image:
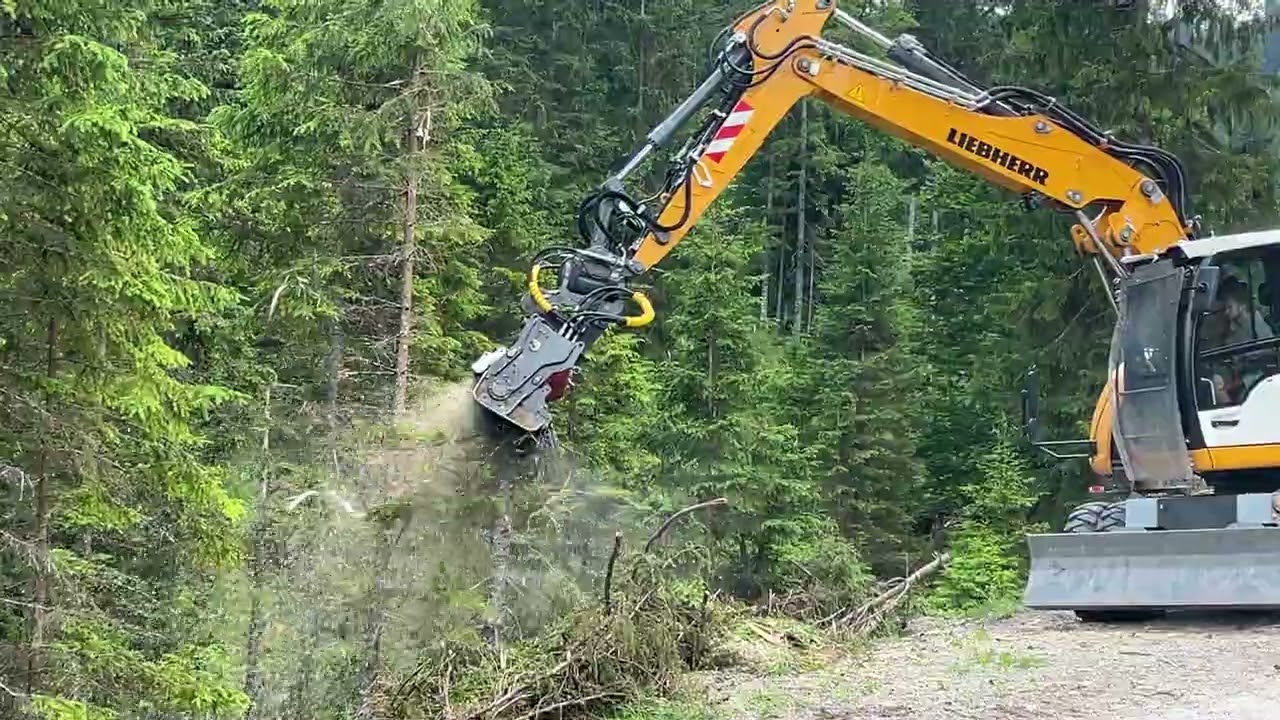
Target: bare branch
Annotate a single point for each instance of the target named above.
(23, 603)
(11, 692)
(275, 299)
(608, 573)
(679, 514)
(870, 615)
(358, 83)
(568, 703)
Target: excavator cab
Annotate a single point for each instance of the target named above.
(1238, 352)
(1195, 401)
(1195, 364)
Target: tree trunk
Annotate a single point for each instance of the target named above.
(300, 694)
(712, 367)
(813, 275)
(371, 694)
(501, 553)
(913, 206)
(253, 643)
(40, 580)
(798, 313)
(768, 218)
(913, 212)
(780, 309)
(257, 573)
(333, 370)
(642, 41)
(419, 121)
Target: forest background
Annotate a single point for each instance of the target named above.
(250, 250)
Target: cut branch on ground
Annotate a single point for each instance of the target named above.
(869, 616)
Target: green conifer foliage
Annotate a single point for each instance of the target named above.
(113, 514)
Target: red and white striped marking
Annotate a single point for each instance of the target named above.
(729, 131)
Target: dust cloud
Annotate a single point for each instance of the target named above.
(442, 440)
(397, 538)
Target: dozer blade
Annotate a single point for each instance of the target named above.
(1162, 569)
(517, 384)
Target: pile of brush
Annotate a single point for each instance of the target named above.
(648, 628)
(871, 615)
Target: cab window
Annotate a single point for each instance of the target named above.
(1236, 341)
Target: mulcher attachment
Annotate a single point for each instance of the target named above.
(518, 383)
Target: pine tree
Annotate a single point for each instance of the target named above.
(336, 128)
(727, 386)
(355, 239)
(114, 515)
(864, 380)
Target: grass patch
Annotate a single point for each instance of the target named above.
(849, 689)
(778, 646)
(655, 708)
(980, 652)
(996, 609)
(1007, 660)
(769, 703)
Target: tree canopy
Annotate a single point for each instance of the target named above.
(251, 248)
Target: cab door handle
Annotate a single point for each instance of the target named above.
(1225, 423)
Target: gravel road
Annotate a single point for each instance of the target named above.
(1037, 666)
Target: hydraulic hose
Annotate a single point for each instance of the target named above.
(535, 290)
(646, 315)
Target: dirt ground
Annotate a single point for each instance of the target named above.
(1033, 666)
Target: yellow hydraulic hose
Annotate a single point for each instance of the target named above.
(645, 317)
(536, 290)
(646, 311)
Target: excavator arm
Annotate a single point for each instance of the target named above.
(1126, 199)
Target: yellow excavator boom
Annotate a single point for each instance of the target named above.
(775, 57)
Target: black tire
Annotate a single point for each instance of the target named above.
(1103, 517)
(1084, 518)
(1111, 518)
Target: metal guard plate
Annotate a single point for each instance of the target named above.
(514, 386)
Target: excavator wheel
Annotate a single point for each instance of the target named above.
(1111, 518)
(1084, 518)
(1104, 517)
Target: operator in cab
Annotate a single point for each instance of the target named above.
(1233, 321)
(1237, 321)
